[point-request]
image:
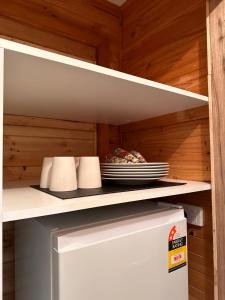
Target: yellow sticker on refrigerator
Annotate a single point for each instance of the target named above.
(177, 254)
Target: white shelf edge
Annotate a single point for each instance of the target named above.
(23, 203)
(25, 49)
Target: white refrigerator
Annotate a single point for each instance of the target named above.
(125, 252)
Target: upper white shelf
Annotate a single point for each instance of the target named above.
(23, 203)
(46, 84)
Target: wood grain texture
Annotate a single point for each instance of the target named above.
(108, 138)
(103, 134)
(14, 120)
(26, 141)
(77, 28)
(216, 58)
(166, 43)
(89, 30)
(160, 42)
(200, 247)
(182, 140)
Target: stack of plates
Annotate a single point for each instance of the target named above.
(138, 173)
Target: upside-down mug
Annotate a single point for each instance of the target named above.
(63, 175)
(89, 172)
(46, 172)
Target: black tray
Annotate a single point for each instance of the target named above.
(107, 188)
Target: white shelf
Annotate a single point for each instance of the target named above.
(45, 84)
(23, 203)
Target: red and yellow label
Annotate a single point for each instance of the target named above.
(177, 258)
(177, 251)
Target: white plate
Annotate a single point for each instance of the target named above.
(131, 170)
(135, 164)
(133, 174)
(130, 166)
(131, 181)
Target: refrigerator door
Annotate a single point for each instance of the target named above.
(140, 258)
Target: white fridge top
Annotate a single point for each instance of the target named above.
(114, 223)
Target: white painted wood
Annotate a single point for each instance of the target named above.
(1, 162)
(23, 203)
(46, 84)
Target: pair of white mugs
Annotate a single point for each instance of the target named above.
(64, 174)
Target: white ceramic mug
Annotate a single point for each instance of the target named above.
(63, 175)
(89, 173)
(46, 172)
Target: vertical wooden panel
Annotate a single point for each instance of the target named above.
(103, 140)
(108, 139)
(216, 36)
(1, 162)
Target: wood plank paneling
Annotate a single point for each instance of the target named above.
(182, 140)
(26, 141)
(114, 137)
(162, 42)
(166, 42)
(216, 58)
(108, 139)
(14, 120)
(200, 247)
(170, 119)
(90, 30)
(47, 40)
(77, 28)
(26, 145)
(29, 151)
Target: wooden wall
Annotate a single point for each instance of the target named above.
(108, 138)
(200, 247)
(180, 138)
(160, 41)
(90, 30)
(26, 141)
(87, 29)
(166, 41)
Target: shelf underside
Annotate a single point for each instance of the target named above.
(44, 84)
